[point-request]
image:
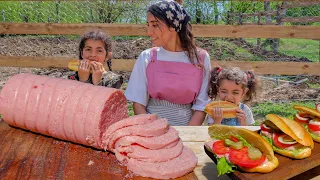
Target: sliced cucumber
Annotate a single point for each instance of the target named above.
(254, 153)
(235, 145)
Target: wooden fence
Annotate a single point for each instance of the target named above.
(228, 31)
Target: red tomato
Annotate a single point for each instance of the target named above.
(302, 117)
(219, 148)
(234, 139)
(265, 128)
(241, 158)
(277, 143)
(314, 127)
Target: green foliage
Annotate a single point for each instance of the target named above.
(303, 11)
(72, 11)
(282, 109)
(314, 85)
(130, 109)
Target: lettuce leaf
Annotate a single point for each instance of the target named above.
(223, 166)
(312, 135)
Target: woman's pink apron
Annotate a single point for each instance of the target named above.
(176, 82)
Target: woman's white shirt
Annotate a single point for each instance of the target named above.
(137, 87)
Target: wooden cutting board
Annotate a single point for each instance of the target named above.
(288, 168)
(27, 155)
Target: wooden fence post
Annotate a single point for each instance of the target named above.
(259, 39)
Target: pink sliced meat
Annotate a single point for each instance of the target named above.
(33, 105)
(155, 128)
(148, 155)
(130, 121)
(9, 97)
(62, 93)
(61, 108)
(174, 168)
(156, 142)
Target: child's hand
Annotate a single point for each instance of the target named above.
(217, 115)
(241, 117)
(84, 70)
(97, 70)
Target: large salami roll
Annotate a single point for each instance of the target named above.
(64, 109)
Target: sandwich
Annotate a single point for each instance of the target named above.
(310, 119)
(287, 137)
(228, 108)
(239, 148)
(74, 65)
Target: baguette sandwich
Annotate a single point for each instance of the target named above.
(228, 108)
(240, 148)
(287, 137)
(310, 119)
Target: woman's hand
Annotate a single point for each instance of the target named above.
(241, 117)
(84, 70)
(97, 71)
(217, 115)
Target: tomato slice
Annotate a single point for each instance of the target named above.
(265, 128)
(234, 139)
(241, 158)
(277, 143)
(302, 117)
(314, 127)
(219, 148)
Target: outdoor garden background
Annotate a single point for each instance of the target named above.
(279, 92)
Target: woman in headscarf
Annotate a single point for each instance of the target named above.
(170, 79)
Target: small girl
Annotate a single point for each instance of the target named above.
(232, 85)
(94, 52)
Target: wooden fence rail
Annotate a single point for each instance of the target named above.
(228, 31)
(260, 67)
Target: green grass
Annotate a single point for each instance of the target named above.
(314, 85)
(296, 47)
(225, 50)
(130, 109)
(282, 109)
(246, 55)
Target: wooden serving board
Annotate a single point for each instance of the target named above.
(288, 168)
(27, 155)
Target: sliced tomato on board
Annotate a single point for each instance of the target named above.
(302, 117)
(277, 142)
(234, 139)
(220, 148)
(241, 158)
(264, 127)
(314, 126)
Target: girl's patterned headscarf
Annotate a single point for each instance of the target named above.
(171, 12)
